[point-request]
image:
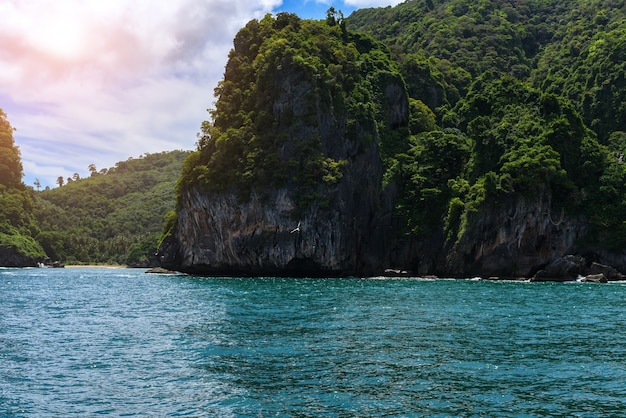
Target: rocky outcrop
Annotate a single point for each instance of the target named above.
(326, 132)
(513, 238)
(217, 234)
(328, 216)
(572, 267)
(562, 269)
(595, 278)
(609, 272)
(11, 257)
(271, 232)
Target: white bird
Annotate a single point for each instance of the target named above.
(297, 228)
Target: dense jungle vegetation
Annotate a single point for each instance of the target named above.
(115, 216)
(531, 94)
(17, 222)
(506, 98)
(254, 140)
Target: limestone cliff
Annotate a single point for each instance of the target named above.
(218, 234)
(267, 234)
(316, 207)
(315, 165)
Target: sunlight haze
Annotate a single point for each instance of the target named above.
(92, 82)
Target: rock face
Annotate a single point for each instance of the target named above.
(570, 267)
(562, 269)
(218, 234)
(272, 233)
(10, 257)
(515, 238)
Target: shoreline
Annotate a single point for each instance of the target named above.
(94, 266)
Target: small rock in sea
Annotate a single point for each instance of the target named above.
(396, 273)
(159, 270)
(595, 278)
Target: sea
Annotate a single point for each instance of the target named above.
(89, 342)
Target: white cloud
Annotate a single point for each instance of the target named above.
(91, 81)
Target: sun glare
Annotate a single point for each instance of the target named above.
(61, 39)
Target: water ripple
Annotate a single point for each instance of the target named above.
(88, 342)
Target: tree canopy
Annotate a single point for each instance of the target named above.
(11, 171)
(283, 75)
(537, 90)
(17, 223)
(115, 216)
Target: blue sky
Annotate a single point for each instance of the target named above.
(97, 82)
(313, 9)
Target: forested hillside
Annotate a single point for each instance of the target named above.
(498, 125)
(115, 216)
(538, 87)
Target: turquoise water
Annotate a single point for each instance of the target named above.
(118, 342)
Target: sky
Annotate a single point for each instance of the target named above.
(97, 82)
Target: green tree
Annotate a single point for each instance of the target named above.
(11, 171)
(424, 176)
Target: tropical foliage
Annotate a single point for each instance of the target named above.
(112, 218)
(537, 91)
(17, 224)
(256, 138)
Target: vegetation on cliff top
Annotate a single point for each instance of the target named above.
(284, 79)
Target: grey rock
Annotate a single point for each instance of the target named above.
(514, 238)
(567, 268)
(610, 273)
(595, 278)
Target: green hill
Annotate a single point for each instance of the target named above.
(115, 216)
